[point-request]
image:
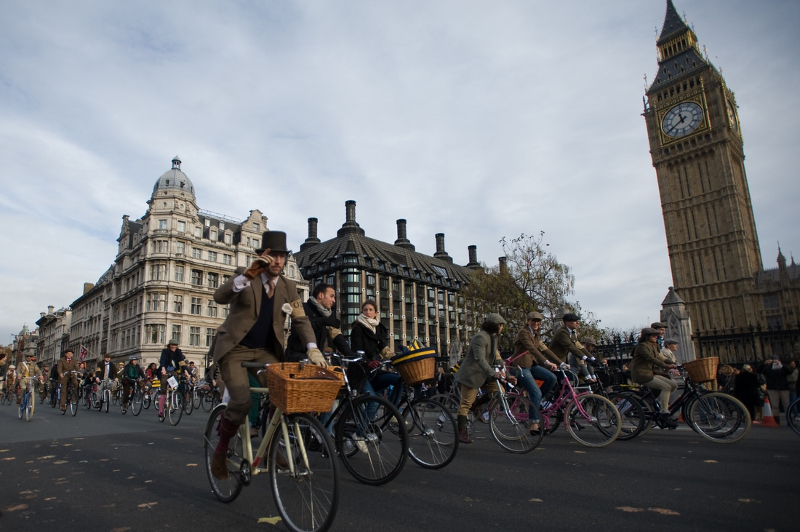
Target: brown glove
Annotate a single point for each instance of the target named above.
(258, 266)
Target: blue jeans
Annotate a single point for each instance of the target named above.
(528, 376)
(379, 383)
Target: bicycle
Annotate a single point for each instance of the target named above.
(590, 419)
(147, 394)
(370, 433)
(186, 391)
(72, 393)
(716, 416)
(630, 409)
(27, 401)
(172, 404)
(511, 416)
(43, 391)
(102, 398)
(209, 397)
(134, 399)
(297, 453)
(793, 415)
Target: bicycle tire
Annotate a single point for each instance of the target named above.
(136, 403)
(30, 407)
(452, 405)
(720, 418)
(631, 413)
(226, 490)
(511, 428)
(432, 433)
(106, 400)
(20, 408)
(196, 397)
(147, 398)
(174, 408)
(381, 443)
(188, 404)
(793, 416)
(602, 426)
(308, 498)
(73, 402)
(206, 402)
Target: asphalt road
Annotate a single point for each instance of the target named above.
(109, 472)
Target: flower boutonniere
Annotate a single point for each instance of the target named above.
(286, 308)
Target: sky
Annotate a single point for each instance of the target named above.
(479, 120)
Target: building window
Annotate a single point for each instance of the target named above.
(227, 259)
(256, 243)
(228, 238)
(212, 256)
(158, 272)
(180, 248)
(212, 308)
(208, 223)
(176, 333)
(154, 333)
(212, 235)
(177, 304)
(198, 232)
(221, 226)
(197, 278)
(162, 224)
(256, 227)
(194, 336)
(196, 306)
(213, 280)
(210, 334)
(225, 311)
(197, 253)
(179, 273)
(181, 226)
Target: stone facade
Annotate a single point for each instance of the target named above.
(54, 326)
(162, 282)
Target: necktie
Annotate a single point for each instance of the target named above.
(268, 288)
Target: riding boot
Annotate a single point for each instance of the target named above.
(463, 437)
(161, 400)
(219, 467)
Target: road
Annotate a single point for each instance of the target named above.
(109, 472)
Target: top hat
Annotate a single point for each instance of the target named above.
(273, 241)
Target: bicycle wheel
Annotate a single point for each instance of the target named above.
(206, 401)
(29, 407)
(174, 408)
(136, 402)
(188, 403)
(303, 475)
(592, 420)
(720, 418)
(793, 415)
(432, 433)
(147, 398)
(196, 399)
(631, 413)
(106, 400)
(510, 420)
(228, 489)
(21, 408)
(372, 440)
(451, 405)
(114, 397)
(73, 402)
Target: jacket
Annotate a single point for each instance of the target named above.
(326, 330)
(562, 345)
(477, 366)
(132, 372)
(646, 355)
(245, 307)
(372, 343)
(64, 366)
(112, 370)
(537, 352)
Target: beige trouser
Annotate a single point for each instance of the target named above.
(665, 387)
(236, 382)
(468, 395)
(776, 399)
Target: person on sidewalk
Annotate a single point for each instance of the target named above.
(776, 374)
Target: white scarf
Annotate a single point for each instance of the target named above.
(326, 312)
(370, 323)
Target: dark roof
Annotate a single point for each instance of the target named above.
(673, 24)
(685, 64)
(353, 249)
(765, 278)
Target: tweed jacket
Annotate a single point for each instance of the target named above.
(28, 370)
(64, 366)
(244, 309)
(537, 352)
(477, 365)
(645, 356)
(101, 369)
(561, 345)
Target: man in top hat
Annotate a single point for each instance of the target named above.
(568, 349)
(260, 299)
(66, 364)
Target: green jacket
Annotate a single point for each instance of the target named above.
(562, 345)
(645, 356)
(477, 365)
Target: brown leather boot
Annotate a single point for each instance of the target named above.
(219, 466)
(463, 436)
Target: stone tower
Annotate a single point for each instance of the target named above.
(697, 150)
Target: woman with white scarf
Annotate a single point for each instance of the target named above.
(370, 336)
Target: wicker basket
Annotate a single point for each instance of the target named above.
(416, 366)
(296, 387)
(702, 370)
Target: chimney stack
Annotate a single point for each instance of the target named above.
(50, 309)
(402, 238)
(503, 265)
(312, 239)
(473, 257)
(350, 225)
(440, 252)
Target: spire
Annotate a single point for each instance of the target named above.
(673, 24)
(781, 258)
(678, 54)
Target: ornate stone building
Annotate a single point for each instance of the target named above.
(54, 326)
(418, 296)
(696, 145)
(162, 282)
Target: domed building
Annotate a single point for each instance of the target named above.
(161, 285)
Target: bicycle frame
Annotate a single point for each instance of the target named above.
(566, 395)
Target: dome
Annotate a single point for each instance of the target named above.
(174, 179)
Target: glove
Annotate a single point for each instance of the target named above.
(373, 364)
(592, 359)
(331, 322)
(258, 266)
(585, 357)
(317, 358)
(386, 353)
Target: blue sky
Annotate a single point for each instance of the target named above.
(474, 119)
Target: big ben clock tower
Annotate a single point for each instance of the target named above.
(697, 150)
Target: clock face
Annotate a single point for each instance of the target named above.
(682, 119)
(732, 116)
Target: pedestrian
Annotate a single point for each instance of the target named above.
(478, 371)
(776, 375)
(648, 369)
(745, 389)
(260, 299)
(791, 380)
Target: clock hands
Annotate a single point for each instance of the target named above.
(676, 124)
